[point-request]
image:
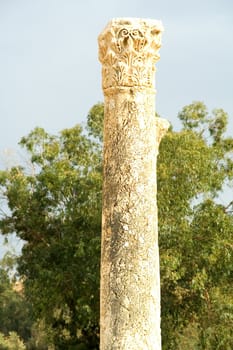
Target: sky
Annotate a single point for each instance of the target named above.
(50, 75)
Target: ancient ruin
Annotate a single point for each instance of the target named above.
(130, 283)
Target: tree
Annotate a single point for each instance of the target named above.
(11, 342)
(15, 310)
(55, 206)
(196, 231)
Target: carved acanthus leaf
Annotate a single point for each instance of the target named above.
(128, 51)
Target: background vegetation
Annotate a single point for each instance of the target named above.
(54, 205)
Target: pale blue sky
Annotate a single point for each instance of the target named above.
(49, 70)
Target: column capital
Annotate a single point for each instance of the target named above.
(128, 51)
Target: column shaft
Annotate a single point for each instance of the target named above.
(130, 284)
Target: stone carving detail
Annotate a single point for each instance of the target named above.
(128, 51)
(130, 281)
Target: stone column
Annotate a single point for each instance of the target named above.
(130, 283)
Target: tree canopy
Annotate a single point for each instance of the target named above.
(55, 207)
(15, 319)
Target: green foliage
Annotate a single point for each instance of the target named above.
(11, 342)
(56, 208)
(41, 337)
(15, 310)
(196, 232)
(95, 121)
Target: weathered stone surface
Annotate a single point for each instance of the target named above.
(130, 284)
(128, 50)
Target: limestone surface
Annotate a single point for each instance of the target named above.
(130, 283)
